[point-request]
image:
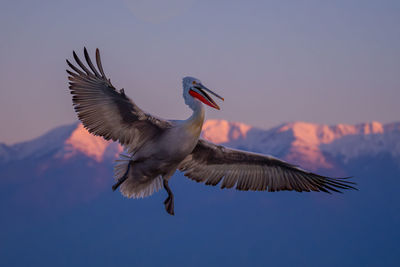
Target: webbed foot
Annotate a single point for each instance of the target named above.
(169, 202)
(169, 205)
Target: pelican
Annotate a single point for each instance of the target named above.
(155, 148)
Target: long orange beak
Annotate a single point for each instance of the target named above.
(203, 97)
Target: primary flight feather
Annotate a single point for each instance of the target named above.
(155, 148)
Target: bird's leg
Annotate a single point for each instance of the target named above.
(169, 202)
(122, 179)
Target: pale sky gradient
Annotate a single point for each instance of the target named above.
(273, 61)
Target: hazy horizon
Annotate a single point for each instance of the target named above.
(273, 61)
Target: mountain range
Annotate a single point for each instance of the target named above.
(311, 145)
(58, 208)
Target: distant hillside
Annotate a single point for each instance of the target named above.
(57, 207)
(311, 145)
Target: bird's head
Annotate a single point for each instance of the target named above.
(194, 89)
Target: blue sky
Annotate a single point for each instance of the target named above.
(273, 61)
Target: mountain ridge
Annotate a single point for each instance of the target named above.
(308, 144)
(57, 203)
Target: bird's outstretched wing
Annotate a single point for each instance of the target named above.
(106, 112)
(212, 164)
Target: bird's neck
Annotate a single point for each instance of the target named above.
(195, 122)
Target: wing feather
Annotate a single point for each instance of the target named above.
(89, 61)
(251, 171)
(106, 112)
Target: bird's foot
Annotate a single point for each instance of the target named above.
(122, 179)
(117, 184)
(169, 205)
(169, 202)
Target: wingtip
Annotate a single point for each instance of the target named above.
(68, 63)
(75, 55)
(97, 53)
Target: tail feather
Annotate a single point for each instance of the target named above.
(133, 186)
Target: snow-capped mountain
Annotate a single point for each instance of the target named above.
(313, 146)
(310, 145)
(56, 201)
(63, 142)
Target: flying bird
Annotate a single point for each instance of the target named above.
(155, 148)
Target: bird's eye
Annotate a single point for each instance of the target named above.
(194, 82)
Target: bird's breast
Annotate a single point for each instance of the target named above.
(179, 142)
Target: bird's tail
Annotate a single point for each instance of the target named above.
(134, 185)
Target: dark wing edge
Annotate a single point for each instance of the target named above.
(212, 164)
(106, 112)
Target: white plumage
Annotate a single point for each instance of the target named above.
(156, 148)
